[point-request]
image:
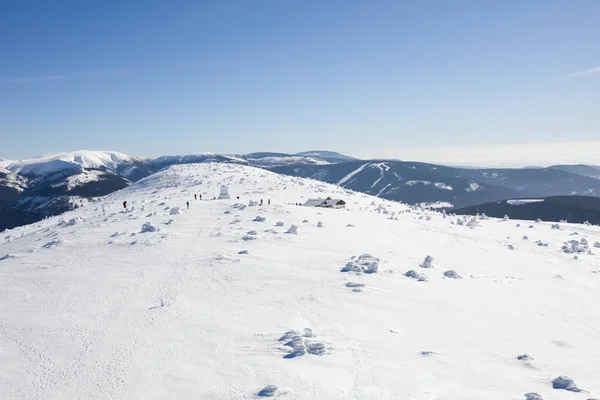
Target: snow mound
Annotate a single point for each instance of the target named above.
(269, 391)
(259, 219)
(565, 383)
(365, 263)
(175, 211)
(452, 274)
(299, 345)
(415, 275)
(533, 396)
(7, 256)
(148, 227)
(293, 230)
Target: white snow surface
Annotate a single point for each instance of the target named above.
(98, 310)
(5, 162)
(520, 202)
(436, 204)
(288, 160)
(58, 162)
(437, 185)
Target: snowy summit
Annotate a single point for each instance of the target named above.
(138, 296)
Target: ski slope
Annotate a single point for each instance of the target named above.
(160, 302)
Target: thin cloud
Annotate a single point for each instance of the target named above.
(33, 79)
(585, 72)
(82, 74)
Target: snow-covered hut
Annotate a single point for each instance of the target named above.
(325, 203)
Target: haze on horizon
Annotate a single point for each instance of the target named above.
(464, 83)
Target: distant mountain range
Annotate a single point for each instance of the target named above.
(575, 209)
(40, 187)
(420, 183)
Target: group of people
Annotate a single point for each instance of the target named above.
(196, 196)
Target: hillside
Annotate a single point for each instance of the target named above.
(416, 183)
(227, 298)
(577, 209)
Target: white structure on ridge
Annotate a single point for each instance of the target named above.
(224, 195)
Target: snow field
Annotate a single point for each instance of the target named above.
(99, 309)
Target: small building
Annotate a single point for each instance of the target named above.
(325, 203)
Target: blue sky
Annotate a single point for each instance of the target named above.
(367, 78)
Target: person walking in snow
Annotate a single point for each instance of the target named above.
(200, 197)
(269, 202)
(187, 203)
(195, 197)
(125, 204)
(261, 202)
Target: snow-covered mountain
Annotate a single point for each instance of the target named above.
(593, 171)
(323, 154)
(231, 300)
(51, 184)
(64, 164)
(11, 187)
(416, 183)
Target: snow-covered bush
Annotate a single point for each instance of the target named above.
(259, 219)
(365, 263)
(473, 222)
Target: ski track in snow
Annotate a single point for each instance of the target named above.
(381, 167)
(107, 312)
(351, 174)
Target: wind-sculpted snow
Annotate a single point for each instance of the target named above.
(108, 302)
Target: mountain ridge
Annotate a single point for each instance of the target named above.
(75, 177)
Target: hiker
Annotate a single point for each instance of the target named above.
(195, 196)
(269, 202)
(125, 204)
(261, 202)
(200, 197)
(188, 204)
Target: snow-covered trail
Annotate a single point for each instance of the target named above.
(82, 318)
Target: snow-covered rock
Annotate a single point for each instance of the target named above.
(365, 263)
(148, 227)
(565, 383)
